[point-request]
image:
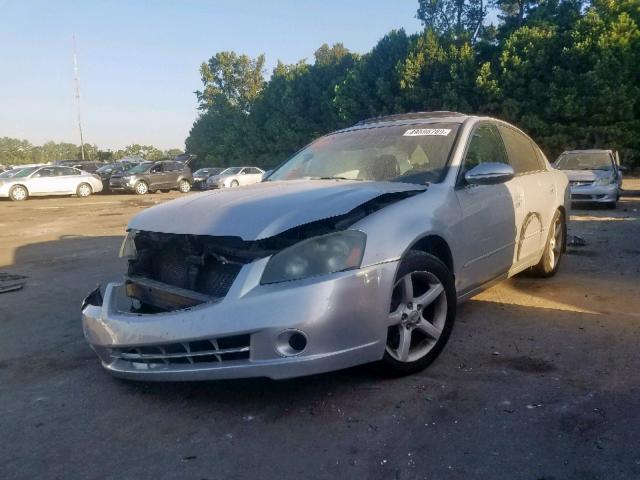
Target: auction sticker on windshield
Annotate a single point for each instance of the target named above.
(417, 132)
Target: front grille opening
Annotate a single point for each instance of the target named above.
(173, 272)
(199, 351)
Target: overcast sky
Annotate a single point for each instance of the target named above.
(139, 59)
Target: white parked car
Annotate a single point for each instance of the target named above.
(235, 177)
(49, 180)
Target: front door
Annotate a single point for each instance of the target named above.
(157, 177)
(490, 213)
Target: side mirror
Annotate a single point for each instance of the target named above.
(243, 173)
(489, 174)
(623, 168)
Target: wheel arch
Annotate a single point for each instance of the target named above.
(563, 211)
(437, 246)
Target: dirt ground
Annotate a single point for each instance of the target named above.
(540, 380)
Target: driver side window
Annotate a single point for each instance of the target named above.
(485, 146)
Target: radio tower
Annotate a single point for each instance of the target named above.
(77, 85)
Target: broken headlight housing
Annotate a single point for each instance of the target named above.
(608, 180)
(330, 253)
(128, 247)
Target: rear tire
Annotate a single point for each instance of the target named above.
(18, 193)
(141, 188)
(423, 311)
(84, 190)
(184, 186)
(555, 246)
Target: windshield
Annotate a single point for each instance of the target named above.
(231, 171)
(25, 172)
(208, 171)
(142, 168)
(584, 161)
(9, 173)
(401, 153)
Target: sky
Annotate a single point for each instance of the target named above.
(139, 60)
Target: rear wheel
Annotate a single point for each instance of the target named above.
(422, 313)
(84, 190)
(184, 186)
(141, 188)
(18, 193)
(550, 261)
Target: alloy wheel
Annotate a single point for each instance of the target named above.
(555, 243)
(84, 190)
(418, 316)
(141, 188)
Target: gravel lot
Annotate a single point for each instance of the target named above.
(540, 380)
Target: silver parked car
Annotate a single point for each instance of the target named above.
(235, 177)
(49, 180)
(594, 175)
(355, 250)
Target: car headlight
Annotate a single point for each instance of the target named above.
(128, 247)
(330, 253)
(604, 181)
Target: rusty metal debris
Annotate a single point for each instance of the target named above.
(10, 282)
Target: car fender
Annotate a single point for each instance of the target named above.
(431, 213)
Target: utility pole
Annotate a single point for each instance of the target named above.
(77, 85)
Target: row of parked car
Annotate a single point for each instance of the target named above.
(82, 179)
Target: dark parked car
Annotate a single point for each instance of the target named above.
(153, 176)
(86, 166)
(200, 176)
(106, 171)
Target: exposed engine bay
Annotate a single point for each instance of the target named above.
(169, 271)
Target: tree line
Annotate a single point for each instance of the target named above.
(15, 151)
(565, 71)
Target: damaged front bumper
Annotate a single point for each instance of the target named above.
(282, 330)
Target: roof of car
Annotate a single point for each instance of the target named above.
(414, 116)
(590, 150)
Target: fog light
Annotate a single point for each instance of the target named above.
(291, 342)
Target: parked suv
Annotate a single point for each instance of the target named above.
(153, 176)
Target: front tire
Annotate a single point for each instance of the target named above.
(550, 261)
(422, 314)
(18, 193)
(84, 190)
(234, 183)
(141, 188)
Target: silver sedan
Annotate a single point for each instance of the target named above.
(355, 250)
(235, 177)
(49, 180)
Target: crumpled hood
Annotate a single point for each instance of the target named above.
(586, 175)
(262, 210)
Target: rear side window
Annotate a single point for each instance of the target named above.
(522, 154)
(485, 146)
(68, 171)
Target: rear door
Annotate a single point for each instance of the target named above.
(173, 170)
(253, 175)
(490, 213)
(539, 194)
(69, 179)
